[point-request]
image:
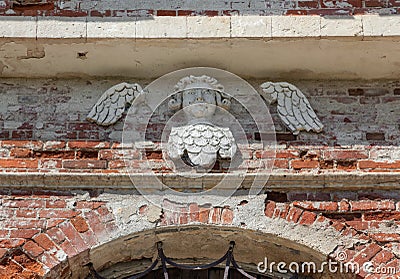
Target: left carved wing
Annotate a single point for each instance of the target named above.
(293, 107)
(112, 104)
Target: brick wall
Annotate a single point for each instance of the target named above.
(43, 129)
(75, 8)
(42, 229)
(353, 112)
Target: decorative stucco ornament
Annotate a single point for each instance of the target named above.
(293, 107)
(113, 103)
(199, 143)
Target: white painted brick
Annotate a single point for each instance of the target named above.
(375, 25)
(341, 26)
(296, 26)
(251, 26)
(111, 28)
(61, 27)
(161, 27)
(208, 27)
(18, 27)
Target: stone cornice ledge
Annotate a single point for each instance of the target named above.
(197, 27)
(277, 181)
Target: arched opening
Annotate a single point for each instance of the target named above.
(196, 245)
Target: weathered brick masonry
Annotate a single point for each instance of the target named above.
(76, 8)
(65, 196)
(44, 230)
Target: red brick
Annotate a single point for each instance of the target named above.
(58, 213)
(84, 164)
(301, 164)
(56, 235)
(88, 145)
(345, 154)
(26, 223)
(26, 213)
(54, 145)
(307, 218)
(90, 239)
(183, 216)
(270, 208)
(88, 204)
(395, 263)
(11, 243)
(23, 233)
(27, 203)
(294, 214)
(227, 216)
(96, 224)
(215, 215)
(194, 212)
(344, 205)
(375, 3)
(296, 12)
(105, 214)
(339, 226)
(4, 233)
(50, 164)
(35, 145)
(383, 257)
(11, 270)
(44, 241)
(3, 251)
(368, 164)
(331, 12)
(204, 215)
(117, 164)
(109, 154)
(32, 267)
(367, 253)
(51, 223)
(153, 155)
(87, 154)
(21, 152)
(166, 13)
(358, 225)
(266, 154)
(317, 206)
(386, 237)
(380, 216)
(80, 224)
(282, 213)
(72, 234)
(56, 204)
(372, 205)
(19, 163)
(186, 13)
(33, 249)
(308, 4)
(287, 154)
(281, 164)
(62, 154)
(209, 13)
(68, 248)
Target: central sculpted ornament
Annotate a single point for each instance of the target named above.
(199, 143)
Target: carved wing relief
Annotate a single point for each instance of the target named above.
(293, 107)
(112, 104)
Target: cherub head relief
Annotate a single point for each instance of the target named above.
(199, 96)
(199, 143)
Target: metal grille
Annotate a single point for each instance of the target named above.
(228, 258)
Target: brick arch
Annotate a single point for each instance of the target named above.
(54, 233)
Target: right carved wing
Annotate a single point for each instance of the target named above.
(294, 109)
(112, 104)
